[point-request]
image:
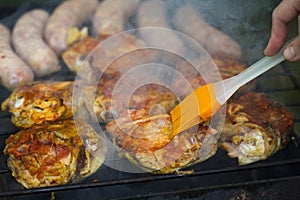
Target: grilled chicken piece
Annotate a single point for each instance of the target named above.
(39, 102)
(50, 101)
(151, 97)
(75, 55)
(256, 127)
(110, 55)
(54, 154)
(148, 142)
(139, 132)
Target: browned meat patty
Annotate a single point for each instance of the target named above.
(256, 127)
(39, 102)
(54, 154)
(148, 142)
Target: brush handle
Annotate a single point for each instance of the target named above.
(225, 89)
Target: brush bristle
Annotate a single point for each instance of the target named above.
(196, 108)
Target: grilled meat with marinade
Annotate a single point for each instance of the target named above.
(149, 142)
(256, 127)
(54, 154)
(106, 106)
(112, 56)
(39, 102)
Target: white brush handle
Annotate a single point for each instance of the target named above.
(226, 88)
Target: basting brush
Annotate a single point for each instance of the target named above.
(206, 100)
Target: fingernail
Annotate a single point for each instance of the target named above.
(289, 53)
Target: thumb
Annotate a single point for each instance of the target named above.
(292, 51)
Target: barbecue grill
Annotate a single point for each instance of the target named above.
(218, 177)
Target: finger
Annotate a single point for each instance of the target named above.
(283, 14)
(292, 51)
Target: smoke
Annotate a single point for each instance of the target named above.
(247, 22)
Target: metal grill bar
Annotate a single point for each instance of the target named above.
(155, 178)
(225, 186)
(164, 178)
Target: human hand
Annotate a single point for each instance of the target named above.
(283, 14)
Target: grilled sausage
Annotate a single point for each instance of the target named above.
(14, 71)
(72, 13)
(153, 13)
(110, 16)
(189, 21)
(27, 39)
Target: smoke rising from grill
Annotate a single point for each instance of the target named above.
(247, 22)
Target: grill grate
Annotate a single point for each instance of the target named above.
(217, 172)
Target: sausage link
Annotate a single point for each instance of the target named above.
(111, 15)
(14, 72)
(189, 21)
(153, 13)
(71, 13)
(27, 39)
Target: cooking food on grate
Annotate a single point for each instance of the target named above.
(256, 127)
(77, 53)
(151, 97)
(111, 15)
(119, 54)
(148, 142)
(109, 55)
(39, 102)
(69, 14)
(27, 39)
(14, 72)
(188, 20)
(54, 154)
